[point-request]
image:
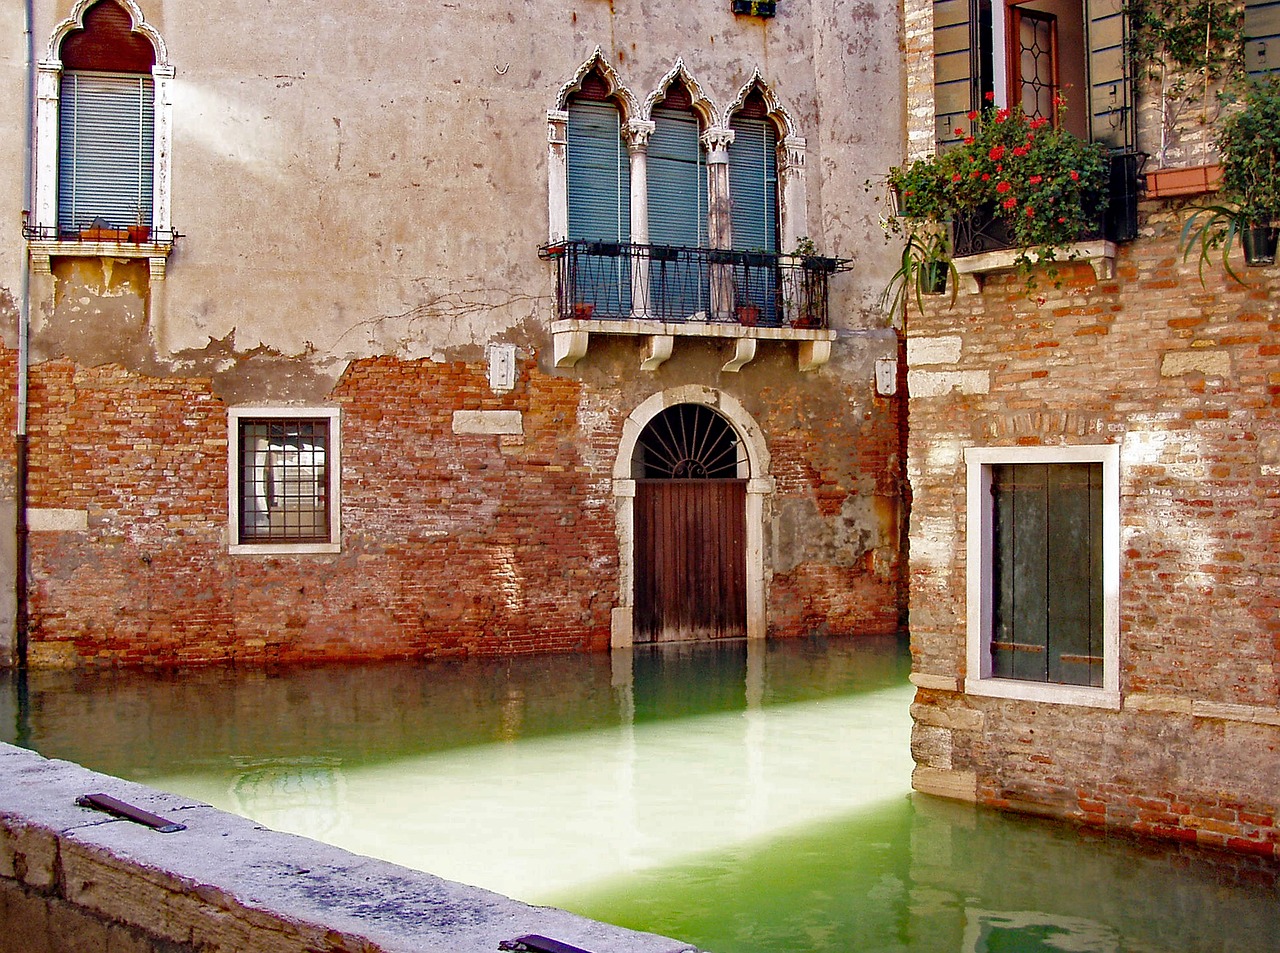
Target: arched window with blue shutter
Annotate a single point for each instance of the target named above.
(599, 199)
(106, 135)
(753, 194)
(677, 193)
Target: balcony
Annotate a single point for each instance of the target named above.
(663, 292)
(45, 243)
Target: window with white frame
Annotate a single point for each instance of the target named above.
(1043, 573)
(283, 479)
(103, 129)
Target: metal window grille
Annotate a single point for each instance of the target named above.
(284, 480)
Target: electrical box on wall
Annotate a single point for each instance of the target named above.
(502, 367)
(886, 376)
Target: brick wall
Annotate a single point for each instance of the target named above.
(1184, 378)
(452, 543)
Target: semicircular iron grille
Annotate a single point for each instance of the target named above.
(688, 442)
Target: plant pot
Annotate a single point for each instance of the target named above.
(933, 277)
(1259, 244)
(583, 311)
(1193, 180)
(748, 315)
(139, 233)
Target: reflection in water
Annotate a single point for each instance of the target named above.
(749, 801)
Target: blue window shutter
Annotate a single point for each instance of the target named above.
(753, 193)
(678, 286)
(753, 184)
(677, 181)
(599, 174)
(599, 206)
(105, 149)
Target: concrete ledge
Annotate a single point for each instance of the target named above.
(937, 683)
(226, 884)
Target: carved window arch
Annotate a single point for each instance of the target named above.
(103, 132)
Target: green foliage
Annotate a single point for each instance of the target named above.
(1043, 183)
(924, 268)
(1249, 149)
(1190, 48)
(1198, 36)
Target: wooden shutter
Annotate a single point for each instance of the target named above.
(105, 149)
(599, 174)
(753, 184)
(954, 76)
(677, 181)
(1110, 104)
(1262, 36)
(1047, 573)
(753, 193)
(678, 286)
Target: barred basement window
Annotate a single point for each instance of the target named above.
(284, 479)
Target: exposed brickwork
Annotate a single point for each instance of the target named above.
(452, 543)
(1185, 379)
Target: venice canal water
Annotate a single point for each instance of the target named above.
(747, 799)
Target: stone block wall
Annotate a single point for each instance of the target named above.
(1183, 377)
(75, 880)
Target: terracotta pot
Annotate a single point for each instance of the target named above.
(748, 315)
(1193, 180)
(139, 233)
(583, 310)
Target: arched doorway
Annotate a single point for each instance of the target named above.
(751, 467)
(690, 527)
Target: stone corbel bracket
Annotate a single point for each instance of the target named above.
(1101, 256)
(571, 337)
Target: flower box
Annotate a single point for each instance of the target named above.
(1192, 180)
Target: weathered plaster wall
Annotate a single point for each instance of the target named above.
(73, 880)
(361, 193)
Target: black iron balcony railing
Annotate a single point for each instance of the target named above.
(621, 281)
(132, 235)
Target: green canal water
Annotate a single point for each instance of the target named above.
(747, 799)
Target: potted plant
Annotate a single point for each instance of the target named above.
(1019, 182)
(139, 231)
(1249, 204)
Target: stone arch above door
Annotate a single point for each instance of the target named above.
(759, 486)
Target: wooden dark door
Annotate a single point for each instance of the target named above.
(690, 548)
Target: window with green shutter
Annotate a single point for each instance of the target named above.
(980, 50)
(677, 210)
(599, 199)
(753, 193)
(1047, 604)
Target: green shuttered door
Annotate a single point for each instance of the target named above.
(105, 149)
(1047, 573)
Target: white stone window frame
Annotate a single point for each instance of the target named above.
(980, 584)
(48, 116)
(284, 547)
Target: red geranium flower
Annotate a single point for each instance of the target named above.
(996, 153)
(1035, 180)
(1003, 187)
(1010, 202)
